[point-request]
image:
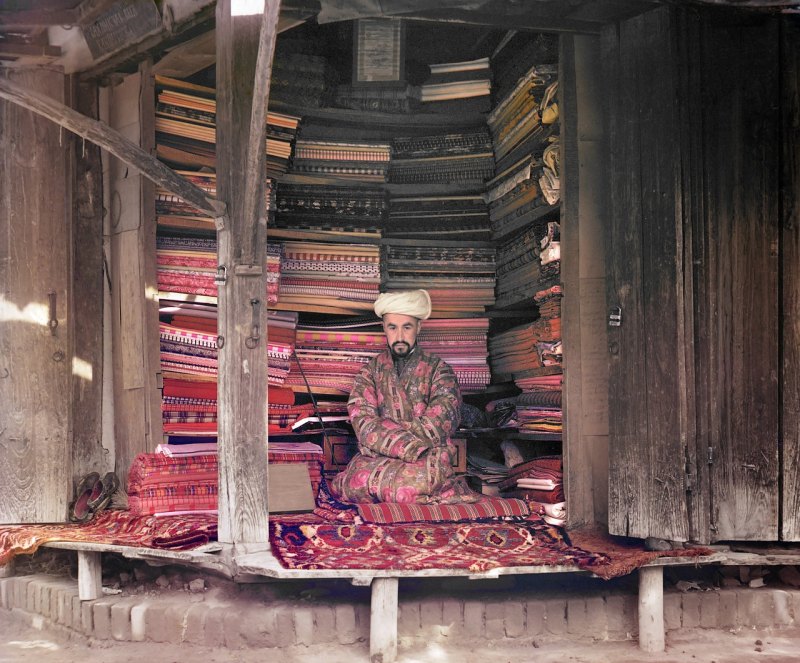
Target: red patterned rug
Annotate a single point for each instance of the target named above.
(112, 527)
(302, 541)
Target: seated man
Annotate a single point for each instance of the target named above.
(404, 405)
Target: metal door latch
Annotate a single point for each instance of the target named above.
(615, 316)
(255, 331)
(53, 322)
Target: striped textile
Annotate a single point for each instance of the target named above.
(492, 507)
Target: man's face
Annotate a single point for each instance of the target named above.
(401, 332)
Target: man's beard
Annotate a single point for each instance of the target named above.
(401, 349)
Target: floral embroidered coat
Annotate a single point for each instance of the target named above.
(403, 424)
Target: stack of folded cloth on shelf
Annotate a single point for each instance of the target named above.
(331, 210)
(328, 358)
(461, 342)
(540, 482)
(329, 278)
(457, 87)
(186, 265)
(329, 159)
(528, 262)
(300, 79)
(174, 213)
(443, 217)
(274, 254)
(460, 280)
(281, 327)
(527, 347)
(464, 159)
(183, 478)
(522, 127)
(388, 97)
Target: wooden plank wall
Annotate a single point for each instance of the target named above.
(648, 394)
(583, 222)
(737, 301)
(137, 409)
(88, 277)
(790, 272)
(35, 364)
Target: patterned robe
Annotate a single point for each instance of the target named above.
(403, 424)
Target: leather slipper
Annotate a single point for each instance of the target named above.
(108, 486)
(89, 488)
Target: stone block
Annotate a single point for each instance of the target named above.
(534, 617)
(87, 617)
(155, 622)
(121, 620)
(514, 618)
(555, 615)
(474, 619)
(672, 612)
(284, 621)
(215, 626)
(101, 619)
(345, 624)
(621, 616)
(304, 625)
(324, 624)
(728, 602)
(408, 619)
(452, 617)
(782, 604)
(494, 622)
(175, 621)
(257, 627)
(745, 608)
(764, 607)
(709, 609)
(195, 623)
(430, 613)
(690, 602)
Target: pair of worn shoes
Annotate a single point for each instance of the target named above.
(92, 494)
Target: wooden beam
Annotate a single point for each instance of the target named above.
(254, 171)
(242, 381)
(17, 49)
(508, 21)
(90, 575)
(113, 142)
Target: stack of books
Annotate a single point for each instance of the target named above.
(457, 87)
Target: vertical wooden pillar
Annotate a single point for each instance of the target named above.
(383, 620)
(651, 609)
(242, 386)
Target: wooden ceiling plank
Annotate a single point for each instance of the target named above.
(526, 22)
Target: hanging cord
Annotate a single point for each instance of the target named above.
(313, 400)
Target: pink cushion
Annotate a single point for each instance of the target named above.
(491, 507)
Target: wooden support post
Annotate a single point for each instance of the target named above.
(90, 575)
(651, 609)
(244, 58)
(383, 621)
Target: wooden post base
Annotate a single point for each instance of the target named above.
(383, 621)
(651, 609)
(90, 575)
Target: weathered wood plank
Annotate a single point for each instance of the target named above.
(692, 210)
(628, 514)
(242, 386)
(651, 609)
(35, 341)
(790, 274)
(111, 141)
(88, 283)
(90, 575)
(662, 450)
(741, 151)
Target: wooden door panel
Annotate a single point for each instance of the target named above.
(647, 488)
(35, 362)
(790, 272)
(741, 152)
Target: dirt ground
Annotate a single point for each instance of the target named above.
(22, 642)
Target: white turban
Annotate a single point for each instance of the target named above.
(416, 303)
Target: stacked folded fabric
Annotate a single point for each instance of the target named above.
(281, 327)
(331, 210)
(458, 217)
(173, 213)
(189, 409)
(457, 87)
(186, 265)
(300, 79)
(274, 254)
(358, 161)
(518, 352)
(329, 278)
(459, 279)
(183, 478)
(540, 482)
(327, 360)
(388, 97)
(522, 126)
(528, 263)
(463, 159)
(461, 342)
